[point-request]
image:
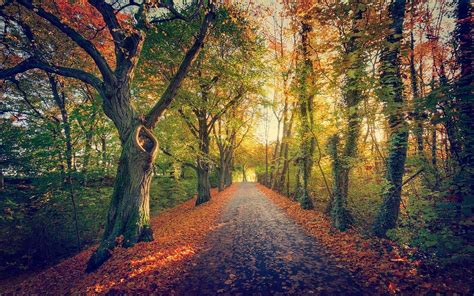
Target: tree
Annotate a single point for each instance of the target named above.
(352, 94)
(226, 72)
(305, 89)
(229, 133)
(392, 95)
(129, 209)
(465, 101)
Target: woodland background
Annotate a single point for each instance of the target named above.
(318, 100)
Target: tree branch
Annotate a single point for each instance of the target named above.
(166, 152)
(224, 109)
(171, 90)
(34, 63)
(191, 126)
(112, 23)
(82, 42)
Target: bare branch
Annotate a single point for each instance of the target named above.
(34, 63)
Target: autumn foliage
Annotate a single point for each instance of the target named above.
(381, 265)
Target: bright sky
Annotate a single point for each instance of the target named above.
(267, 126)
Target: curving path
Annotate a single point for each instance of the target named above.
(259, 250)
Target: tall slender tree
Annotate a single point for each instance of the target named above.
(465, 100)
(305, 87)
(352, 94)
(392, 95)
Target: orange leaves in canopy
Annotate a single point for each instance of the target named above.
(301, 7)
(88, 21)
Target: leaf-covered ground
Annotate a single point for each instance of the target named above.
(242, 242)
(380, 265)
(146, 267)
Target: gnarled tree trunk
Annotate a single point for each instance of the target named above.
(129, 215)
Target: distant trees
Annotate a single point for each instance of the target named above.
(372, 113)
(389, 98)
(227, 71)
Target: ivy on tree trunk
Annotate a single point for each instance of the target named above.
(305, 102)
(392, 95)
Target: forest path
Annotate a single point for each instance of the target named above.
(258, 249)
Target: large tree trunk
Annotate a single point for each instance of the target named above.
(204, 185)
(352, 95)
(274, 163)
(276, 182)
(308, 144)
(221, 170)
(229, 167)
(464, 96)
(392, 85)
(340, 216)
(225, 165)
(129, 213)
(416, 96)
(244, 174)
(341, 168)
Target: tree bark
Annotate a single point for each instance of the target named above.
(416, 96)
(340, 215)
(285, 150)
(305, 101)
(276, 182)
(464, 96)
(392, 85)
(128, 219)
(60, 100)
(352, 96)
(228, 168)
(128, 215)
(204, 185)
(274, 162)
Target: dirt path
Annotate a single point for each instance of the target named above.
(258, 249)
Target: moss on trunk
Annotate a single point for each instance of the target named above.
(128, 219)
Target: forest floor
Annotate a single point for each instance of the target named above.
(146, 268)
(380, 266)
(247, 239)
